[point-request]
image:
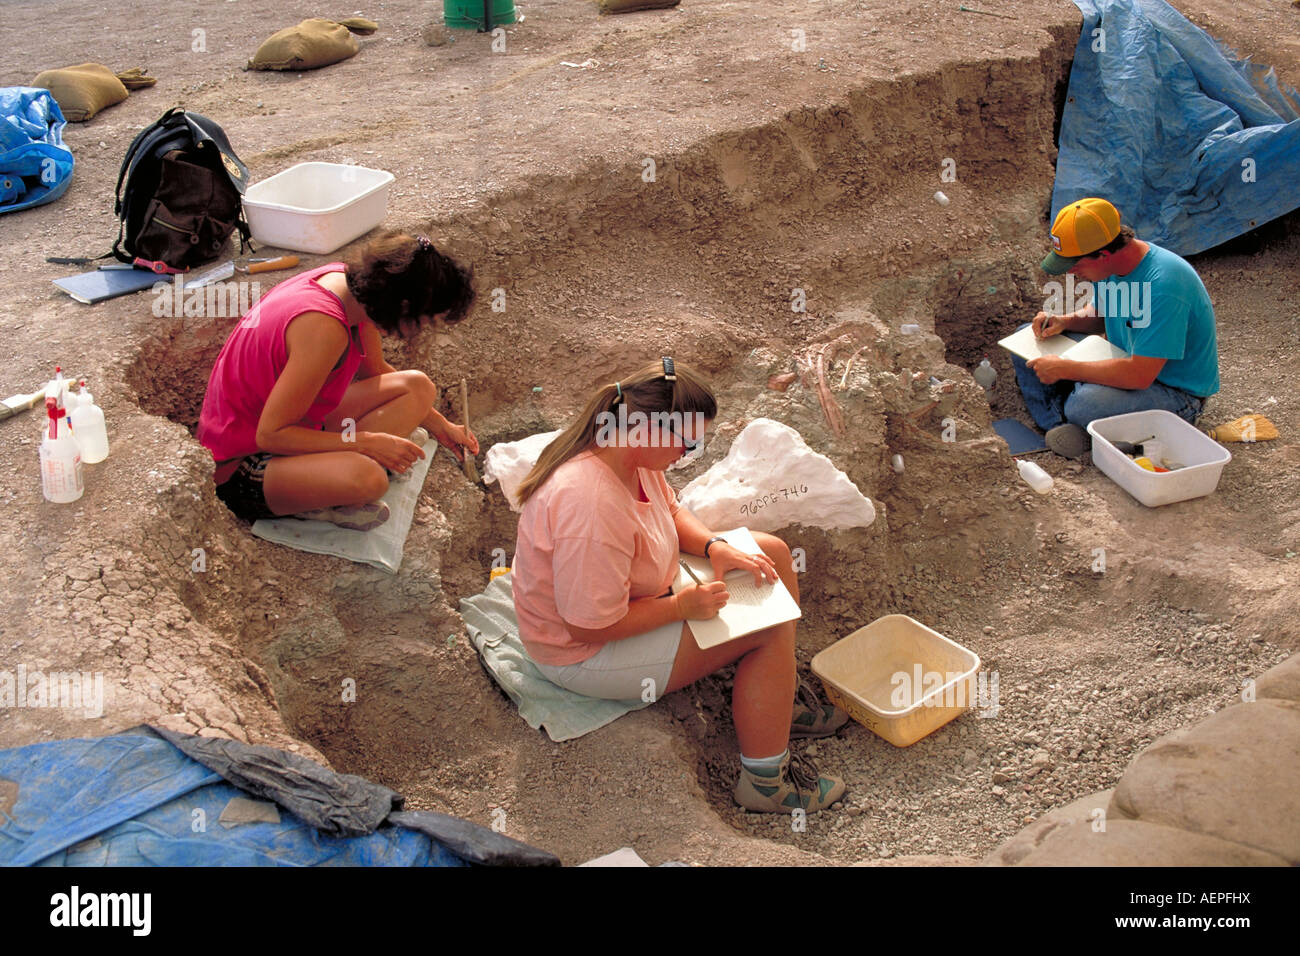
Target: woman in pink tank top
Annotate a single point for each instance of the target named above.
(302, 414)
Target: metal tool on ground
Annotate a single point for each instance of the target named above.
(215, 274)
(988, 13)
(265, 264)
(471, 472)
(242, 264)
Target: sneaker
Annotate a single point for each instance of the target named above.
(796, 785)
(812, 718)
(1068, 441)
(365, 517)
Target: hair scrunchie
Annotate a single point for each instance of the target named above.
(424, 243)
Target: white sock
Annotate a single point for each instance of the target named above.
(765, 766)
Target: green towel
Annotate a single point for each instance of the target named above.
(494, 630)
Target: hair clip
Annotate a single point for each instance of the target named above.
(424, 243)
(670, 374)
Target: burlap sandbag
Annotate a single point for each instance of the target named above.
(631, 6)
(311, 44)
(82, 91)
(136, 78)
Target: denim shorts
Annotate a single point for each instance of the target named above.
(242, 492)
(620, 669)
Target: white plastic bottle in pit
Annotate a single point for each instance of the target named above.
(1034, 476)
(88, 426)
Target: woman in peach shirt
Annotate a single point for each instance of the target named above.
(597, 554)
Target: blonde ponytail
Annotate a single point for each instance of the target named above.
(648, 391)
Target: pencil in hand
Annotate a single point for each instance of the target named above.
(687, 568)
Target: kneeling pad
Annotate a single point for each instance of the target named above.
(82, 91)
(311, 44)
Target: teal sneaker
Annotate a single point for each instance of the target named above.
(795, 785)
(812, 718)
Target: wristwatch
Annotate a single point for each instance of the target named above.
(716, 537)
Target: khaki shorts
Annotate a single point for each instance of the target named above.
(623, 670)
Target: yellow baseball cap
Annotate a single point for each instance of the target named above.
(1081, 228)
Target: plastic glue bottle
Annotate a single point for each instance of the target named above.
(87, 421)
(60, 458)
(1034, 476)
(985, 375)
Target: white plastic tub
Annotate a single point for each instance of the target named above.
(1202, 457)
(898, 678)
(317, 207)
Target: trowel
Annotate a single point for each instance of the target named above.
(242, 264)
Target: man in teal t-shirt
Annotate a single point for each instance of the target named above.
(1148, 302)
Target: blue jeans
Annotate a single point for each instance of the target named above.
(1082, 402)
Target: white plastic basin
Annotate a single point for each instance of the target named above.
(317, 207)
(1202, 457)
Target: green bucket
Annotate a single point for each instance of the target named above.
(470, 14)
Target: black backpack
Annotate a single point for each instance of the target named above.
(179, 193)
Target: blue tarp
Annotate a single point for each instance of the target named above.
(137, 799)
(1193, 145)
(35, 166)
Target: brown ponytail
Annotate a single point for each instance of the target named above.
(397, 277)
(648, 391)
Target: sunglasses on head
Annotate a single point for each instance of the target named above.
(670, 375)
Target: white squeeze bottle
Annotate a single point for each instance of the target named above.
(1034, 476)
(985, 375)
(60, 459)
(87, 420)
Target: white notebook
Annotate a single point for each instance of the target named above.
(749, 608)
(1092, 349)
